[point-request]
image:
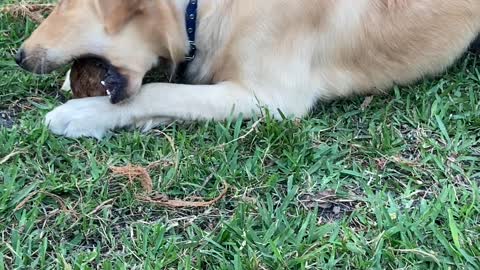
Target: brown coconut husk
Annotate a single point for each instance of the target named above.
(140, 174)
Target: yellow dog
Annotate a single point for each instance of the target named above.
(283, 55)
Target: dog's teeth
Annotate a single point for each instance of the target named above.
(103, 83)
(109, 93)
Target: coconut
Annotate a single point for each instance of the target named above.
(92, 77)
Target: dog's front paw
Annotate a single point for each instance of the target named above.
(87, 117)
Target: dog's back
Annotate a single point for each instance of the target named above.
(401, 41)
(338, 47)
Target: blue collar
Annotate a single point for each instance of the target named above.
(191, 25)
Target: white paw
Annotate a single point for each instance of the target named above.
(86, 117)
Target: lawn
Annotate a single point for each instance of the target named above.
(393, 184)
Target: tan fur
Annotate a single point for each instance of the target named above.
(123, 11)
(279, 54)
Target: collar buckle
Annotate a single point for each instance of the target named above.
(191, 54)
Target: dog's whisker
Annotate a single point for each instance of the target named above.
(26, 59)
(36, 67)
(42, 67)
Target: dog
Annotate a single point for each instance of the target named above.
(279, 55)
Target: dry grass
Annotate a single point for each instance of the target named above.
(35, 12)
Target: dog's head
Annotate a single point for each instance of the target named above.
(130, 34)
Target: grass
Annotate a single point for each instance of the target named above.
(394, 185)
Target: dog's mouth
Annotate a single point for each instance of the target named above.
(89, 73)
(97, 73)
(115, 85)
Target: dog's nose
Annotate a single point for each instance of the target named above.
(19, 57)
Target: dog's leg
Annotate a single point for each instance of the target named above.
(93, 117)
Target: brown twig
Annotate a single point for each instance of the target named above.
(253, 128)
(141, 174)
(9, 156)
(165, 202)
(100, 207)
(25, 201)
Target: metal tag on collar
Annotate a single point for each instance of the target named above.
(191, 55)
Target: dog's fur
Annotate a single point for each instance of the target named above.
(280, 54)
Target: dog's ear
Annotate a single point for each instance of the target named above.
(117, 13)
